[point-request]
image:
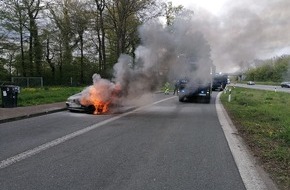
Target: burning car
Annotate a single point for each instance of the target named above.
(73, 103)
(97, 98)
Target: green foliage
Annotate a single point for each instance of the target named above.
(73, 30)
(21, 69)
(171, 12)
(4, 74)
(275, 70)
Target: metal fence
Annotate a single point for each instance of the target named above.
(28, 82)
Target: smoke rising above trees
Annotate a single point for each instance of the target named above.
(165, 53)
(58, 49)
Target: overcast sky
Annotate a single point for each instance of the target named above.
(241, 31)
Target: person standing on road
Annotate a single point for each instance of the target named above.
(176, 86)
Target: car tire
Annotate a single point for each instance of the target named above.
(90, 109)
(181, 99)
(207, 100)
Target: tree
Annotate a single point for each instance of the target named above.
(50, 53)
(13, 19)
(3, 71)
(32, 8)
(275, 70)
(60, 11)
(50, 40)
(80, 21)
(171, 12)
(123, 20)
(101, 34)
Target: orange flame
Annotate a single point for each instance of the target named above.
(100, 97)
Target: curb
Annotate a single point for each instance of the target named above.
(31, 115)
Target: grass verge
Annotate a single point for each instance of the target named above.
(37, 96)
(262, 118)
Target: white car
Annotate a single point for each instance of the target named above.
(250, 83)
(73, 104)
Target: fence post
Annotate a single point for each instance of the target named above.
(230, 94)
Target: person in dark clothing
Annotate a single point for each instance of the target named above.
(176, 86)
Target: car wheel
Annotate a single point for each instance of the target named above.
(207, 100)
(181, 99)
(90, 109)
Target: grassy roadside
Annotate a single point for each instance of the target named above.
(37, 96)
(263, 119)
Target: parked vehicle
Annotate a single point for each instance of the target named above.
(250, 83)
(285, 84)
(219, 82)
(192, 90)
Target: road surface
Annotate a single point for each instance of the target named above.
(264, 87)
(163, 145)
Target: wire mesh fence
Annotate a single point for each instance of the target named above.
(28, 82)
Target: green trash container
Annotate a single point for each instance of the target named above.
(9, 95)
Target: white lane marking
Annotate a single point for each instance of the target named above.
(34, 151)
(244, 160)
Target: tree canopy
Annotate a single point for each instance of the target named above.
(66, 41)
(274, 70)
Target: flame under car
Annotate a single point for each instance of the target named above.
(73, 104)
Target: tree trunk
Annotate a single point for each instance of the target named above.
(103, 45)
(30, 56)
(49, 60)
(22, 51)
(82, 57)
(60, 63)
(100, 50)
(101, 35)
(37, 49)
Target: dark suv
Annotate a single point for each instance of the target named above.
(219, 82)
(193, 90)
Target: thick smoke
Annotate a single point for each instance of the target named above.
(166, 54)
(246, 30)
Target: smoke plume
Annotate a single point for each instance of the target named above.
(245, 31)
(165, 54)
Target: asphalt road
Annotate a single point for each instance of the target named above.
(264, 87)
(164, 145)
